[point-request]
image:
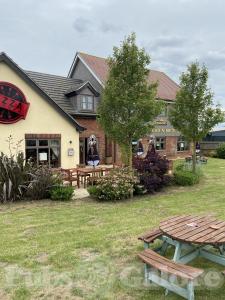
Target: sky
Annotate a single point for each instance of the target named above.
(44, 35)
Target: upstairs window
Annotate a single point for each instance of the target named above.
(87, 102)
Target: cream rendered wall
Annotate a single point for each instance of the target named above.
(41, 118)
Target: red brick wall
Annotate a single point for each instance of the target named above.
(170, 147)
(92, 127)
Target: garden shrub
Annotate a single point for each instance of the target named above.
(152, 171)
(14, 177)
(183, 175)
(139, 189)
(62, 193)
(220, 151)
(115, 186)
(43, 179)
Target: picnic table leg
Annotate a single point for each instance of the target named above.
(190, 289)
(164, 248)
(78, 180)
(146, 274)
(146, 245)
(177, 253)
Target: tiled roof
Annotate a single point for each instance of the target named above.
(56, 87)
(167, 88)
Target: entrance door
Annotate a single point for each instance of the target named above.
(83, 150)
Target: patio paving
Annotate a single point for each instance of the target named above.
(80, 193)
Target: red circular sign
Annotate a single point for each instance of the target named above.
(13, 104)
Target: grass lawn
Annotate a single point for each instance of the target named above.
(87, 250)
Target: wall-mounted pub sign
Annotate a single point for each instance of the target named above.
(13, 104)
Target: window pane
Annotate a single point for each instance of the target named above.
(43, 157)
(54, 143)
(160, 143)
(43, 142)
(54, 157)
(30, 143)
(31, 154)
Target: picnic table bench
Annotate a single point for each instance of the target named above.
(150, 236)
(154, 261)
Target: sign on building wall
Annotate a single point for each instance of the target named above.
(165, 131)
(13, 104)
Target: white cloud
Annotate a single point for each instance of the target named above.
(44, 35)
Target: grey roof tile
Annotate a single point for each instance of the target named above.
(55, 87)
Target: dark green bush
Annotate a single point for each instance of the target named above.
(139, 189)
(184, 176)
(94, 192)
(14, 177)
(43, 179)
(62, 193)
(220, 151)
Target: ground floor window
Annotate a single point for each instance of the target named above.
(160, 143)
(182, 144)
(44, 151)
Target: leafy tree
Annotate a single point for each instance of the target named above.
(193, 113)
(128, 106)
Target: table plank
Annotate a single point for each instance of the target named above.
(177, 229)
(186, 229)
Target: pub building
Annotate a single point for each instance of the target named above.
(54, 116)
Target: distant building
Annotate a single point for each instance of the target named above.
(215, 136)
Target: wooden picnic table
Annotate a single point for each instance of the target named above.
(199, 235)
(85, 173)
(192, 237)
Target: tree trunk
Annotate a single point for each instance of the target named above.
(194, 157)
(130, 157)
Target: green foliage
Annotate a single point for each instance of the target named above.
(220, 151)
(128, 107)
(139, 189)
(118, 185)
(13, 177)
(184, 176)
(193, 114)
(43, 179)
(62, 193)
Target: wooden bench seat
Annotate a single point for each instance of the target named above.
(154, 261)
(150, 236)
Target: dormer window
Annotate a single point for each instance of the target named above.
(87, 102)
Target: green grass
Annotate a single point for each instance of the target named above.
(88, 250)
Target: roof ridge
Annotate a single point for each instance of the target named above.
(79, 52)
(42, 73)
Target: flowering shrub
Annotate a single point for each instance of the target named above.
(152, 170)
(118, 185)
